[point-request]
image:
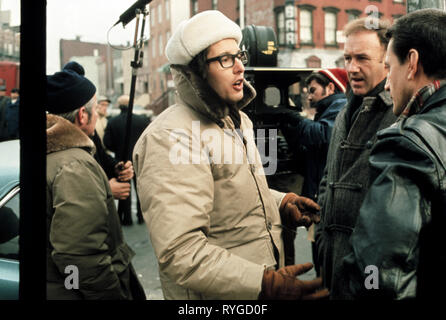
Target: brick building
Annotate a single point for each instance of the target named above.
(103, 55)
(309, 32)
(9, 43)
(165, 15)
(9, 38)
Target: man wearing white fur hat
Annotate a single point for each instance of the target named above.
(215, 225)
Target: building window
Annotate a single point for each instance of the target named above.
(331, 23)
(153, 47)
(162, 85)
(214, 4)
(306, 26)
(330, 28)
(160, 13)
(194, 4)
(281, 27)
(167, 4)
(160, 43)
(353, 14)
(152, 19)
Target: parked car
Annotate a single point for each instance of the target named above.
(9, 219)
(137, 109)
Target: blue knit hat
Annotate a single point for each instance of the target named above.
(76, 67)
(68, 90)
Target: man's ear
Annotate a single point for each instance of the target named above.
(82, 116)
(331, 89)
(413, 59)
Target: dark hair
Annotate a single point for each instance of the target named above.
(425, 31)
(199, 64)
(369, 24)
(322, 80)
(15, 90)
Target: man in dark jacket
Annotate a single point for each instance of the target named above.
(114, 137)
(327, 95)
(401, 222)
(346, 176)
(87, 257)
(12, 115)
(311, 138)
(4, 102)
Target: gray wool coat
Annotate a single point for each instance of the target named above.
(344, 185)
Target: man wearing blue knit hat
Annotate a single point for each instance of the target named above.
(87, 257)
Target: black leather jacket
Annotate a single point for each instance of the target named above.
(402, 217)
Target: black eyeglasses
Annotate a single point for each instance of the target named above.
(228, 60)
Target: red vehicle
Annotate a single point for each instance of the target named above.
(9, 75)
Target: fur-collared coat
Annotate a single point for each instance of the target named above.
(85, 241)
(213, 221)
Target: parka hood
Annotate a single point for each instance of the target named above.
(62, 135)
(198, 95)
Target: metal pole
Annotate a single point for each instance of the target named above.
(136, 63)
(32, 240)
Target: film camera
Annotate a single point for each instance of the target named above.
(279, 95)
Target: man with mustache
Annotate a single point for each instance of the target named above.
(346, 177)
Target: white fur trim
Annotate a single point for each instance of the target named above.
(199, 32)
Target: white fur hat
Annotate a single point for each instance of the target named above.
(199, 32)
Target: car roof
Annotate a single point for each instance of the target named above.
(9, 165)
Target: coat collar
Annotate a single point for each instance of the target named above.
(62, 134)
(324, 103)
(434, 100)
(198, 95)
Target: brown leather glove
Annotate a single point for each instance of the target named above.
(297, 211)
(283, 284)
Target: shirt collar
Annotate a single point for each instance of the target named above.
(418, 100)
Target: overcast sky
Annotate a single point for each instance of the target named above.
(90, 19)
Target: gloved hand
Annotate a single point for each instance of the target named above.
(283, 284)
(297, 211)
(124, 171)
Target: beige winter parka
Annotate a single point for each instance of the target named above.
(213, 221)
(85, 246)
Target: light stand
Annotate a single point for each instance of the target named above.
(135, 64)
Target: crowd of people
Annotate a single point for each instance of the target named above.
(375, 177)
(9, 114)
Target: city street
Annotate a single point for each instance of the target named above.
(146, 265)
